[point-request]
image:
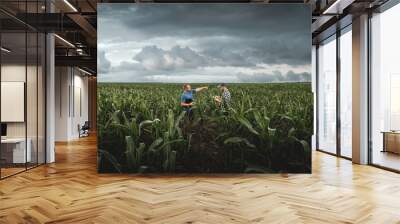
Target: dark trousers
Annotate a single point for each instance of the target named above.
(189, 113)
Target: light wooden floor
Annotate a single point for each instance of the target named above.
(387, 159)
(71, 191)
(10, 171)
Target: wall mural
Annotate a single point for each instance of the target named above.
(204, 88)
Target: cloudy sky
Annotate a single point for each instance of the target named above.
(203, 43)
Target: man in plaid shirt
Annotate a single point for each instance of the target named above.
(224, 101)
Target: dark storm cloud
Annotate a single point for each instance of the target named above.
(250, 51)
(226, 56)
(153, 57)
(270, 33)
(188, 20)
(170, 39)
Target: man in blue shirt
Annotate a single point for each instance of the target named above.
(187, 97)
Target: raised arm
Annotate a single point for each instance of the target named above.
(201, 88)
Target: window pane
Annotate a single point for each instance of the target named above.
(327, 96)
(346, 94)
(385, 93)
(22, 88)
(31, 97)
(14, 153)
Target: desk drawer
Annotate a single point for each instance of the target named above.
(6, 154)
(21, 155)
(15, 152)
(392, 142)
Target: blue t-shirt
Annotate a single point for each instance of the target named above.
(187, 97)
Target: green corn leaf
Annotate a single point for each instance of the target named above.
(306, 146)
(291, 132)
(238, 140)
(170, 123)
(111, 159)
(140, 152)
(259, 120)
(130, 152)
(146, 122)
(172, 161)
(247, 124)
(155, 143)
(179, 118)
(170, 142)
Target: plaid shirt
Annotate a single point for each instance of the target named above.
(226, 100)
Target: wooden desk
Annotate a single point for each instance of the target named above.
(13, 150)
(391, 141)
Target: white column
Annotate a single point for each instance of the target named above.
(50, 92)
(50, 100)
(360, 90)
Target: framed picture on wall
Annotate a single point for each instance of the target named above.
(204, 88)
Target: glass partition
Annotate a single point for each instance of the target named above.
(32, 97)
(14, 153)
(346, 92)
(22, 78)
(327, 95)
(385, 89)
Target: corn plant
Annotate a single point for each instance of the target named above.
(142, 128)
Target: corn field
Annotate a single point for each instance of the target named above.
(143, 129)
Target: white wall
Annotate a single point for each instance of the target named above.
(13, 100)
(80, 89)
(62, 82)
(17, 73)
(70, 83)
(14, 73)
